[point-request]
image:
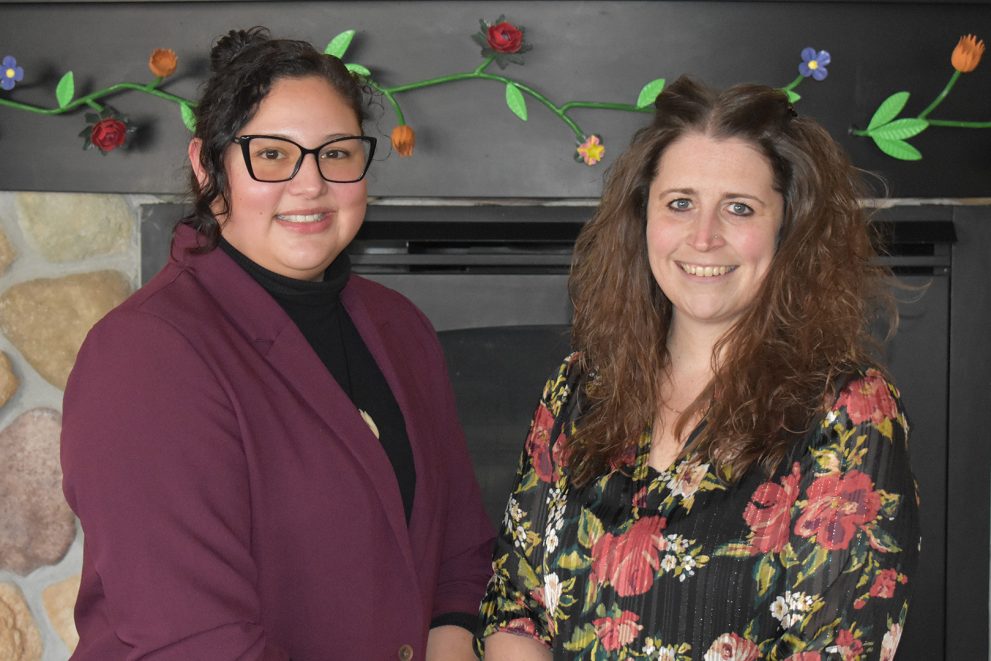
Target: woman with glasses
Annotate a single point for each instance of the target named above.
(262, 448)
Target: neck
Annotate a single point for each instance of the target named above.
(691, 347)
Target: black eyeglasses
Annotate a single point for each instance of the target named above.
(342, 160)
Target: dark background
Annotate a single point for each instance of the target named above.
(468, 142)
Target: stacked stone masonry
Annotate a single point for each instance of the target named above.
(65, 260)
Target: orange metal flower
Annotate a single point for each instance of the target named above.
(403, 139)
(162, 62)
(967, 55)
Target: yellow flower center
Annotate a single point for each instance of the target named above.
(813, 65)
(9, 73)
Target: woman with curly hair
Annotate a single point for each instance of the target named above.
(720, 470)
(263, 448)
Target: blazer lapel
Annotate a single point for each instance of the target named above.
(291, 354)
(277, 338)
(389, 359)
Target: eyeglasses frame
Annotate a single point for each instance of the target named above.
(245, 140)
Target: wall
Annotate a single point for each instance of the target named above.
(589, 51)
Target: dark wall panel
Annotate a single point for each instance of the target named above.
(469, 144)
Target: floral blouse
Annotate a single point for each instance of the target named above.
(813, 563)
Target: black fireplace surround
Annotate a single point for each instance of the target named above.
(492, 278)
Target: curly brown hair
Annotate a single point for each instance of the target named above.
(808, 327)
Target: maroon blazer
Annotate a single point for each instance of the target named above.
(235, 505)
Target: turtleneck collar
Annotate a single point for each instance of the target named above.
(324, 292)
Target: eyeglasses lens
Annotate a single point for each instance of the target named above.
(273, 159)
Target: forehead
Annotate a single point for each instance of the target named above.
(697, 158)
(301, 107)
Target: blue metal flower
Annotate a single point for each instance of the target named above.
(10, 73)
(814, 64)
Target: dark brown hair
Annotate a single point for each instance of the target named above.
(808, 326)
(244, 64)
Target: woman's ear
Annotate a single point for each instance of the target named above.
(195, 147)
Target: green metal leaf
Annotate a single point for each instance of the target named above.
(65, 90)
(900, 129)
(188, 118)
(515, 101)
(339, 44)
(793, 97)
(649, 93)
(898, 149)
(888, 110)
(358, 69)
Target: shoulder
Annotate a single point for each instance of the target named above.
(869, 398)
(563, 382)
(169, 326)
(173, 301)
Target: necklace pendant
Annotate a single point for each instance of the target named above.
(368, 421)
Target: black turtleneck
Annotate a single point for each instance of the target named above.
(316, 308)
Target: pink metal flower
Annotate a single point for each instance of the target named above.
(592, 150)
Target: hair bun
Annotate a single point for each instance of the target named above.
(233, 44)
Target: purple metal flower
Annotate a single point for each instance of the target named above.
(10, 73)
(814, 64)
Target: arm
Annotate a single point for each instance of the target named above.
(503, 646)
(854, 541)
(154, 469)
(466, 547)
(514, 622)
(449, 643)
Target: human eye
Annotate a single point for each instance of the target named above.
(740, 209)
(680, 204)
(268, 149)
(270, 154)
(335, 154)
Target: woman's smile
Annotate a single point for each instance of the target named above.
(705, 270)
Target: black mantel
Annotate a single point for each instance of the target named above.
(468, 143)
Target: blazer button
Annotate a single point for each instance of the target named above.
(405, 653)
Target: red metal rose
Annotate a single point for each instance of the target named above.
(838, 504)
(505, 37)
(108, 134)
(501, 41)
(106, 131)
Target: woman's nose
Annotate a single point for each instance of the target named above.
(308, 180)
(705, 232)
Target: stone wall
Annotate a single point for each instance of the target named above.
(65, 260)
